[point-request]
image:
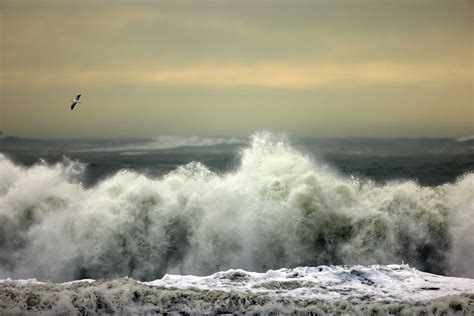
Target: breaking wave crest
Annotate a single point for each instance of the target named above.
(167, 142)
(277, 208)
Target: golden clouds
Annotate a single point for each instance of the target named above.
(271, 75)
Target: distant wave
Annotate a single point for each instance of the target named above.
(133, 153)
(168, 142)
(276, 208)
(465, 138)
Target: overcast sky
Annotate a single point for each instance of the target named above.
(312, 68)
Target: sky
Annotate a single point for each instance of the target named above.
(354, 68)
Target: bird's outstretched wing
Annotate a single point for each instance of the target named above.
(78, 96)
(73, 104)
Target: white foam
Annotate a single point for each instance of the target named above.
(378, 282)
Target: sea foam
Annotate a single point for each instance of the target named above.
(356, 290)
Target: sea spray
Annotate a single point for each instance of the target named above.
(277, 208)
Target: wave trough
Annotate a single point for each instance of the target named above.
(277, 208)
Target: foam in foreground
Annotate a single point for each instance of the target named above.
(396, 289)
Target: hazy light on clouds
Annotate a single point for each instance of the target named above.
(275, 75)
(206, 55)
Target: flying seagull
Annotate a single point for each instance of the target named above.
(75, 101)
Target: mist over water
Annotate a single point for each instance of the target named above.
(278, 207)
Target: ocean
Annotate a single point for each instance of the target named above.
(174, 205)
(428, 161)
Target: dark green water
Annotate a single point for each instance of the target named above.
(430, 162)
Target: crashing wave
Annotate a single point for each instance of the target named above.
(277, 207)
